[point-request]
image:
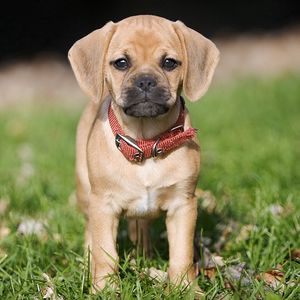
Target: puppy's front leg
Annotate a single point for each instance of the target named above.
(103, 226)
(180, 228)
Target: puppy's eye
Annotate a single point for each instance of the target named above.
(121, 64)
(169, 64)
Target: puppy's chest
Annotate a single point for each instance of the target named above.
(150, 191)
(147, 202)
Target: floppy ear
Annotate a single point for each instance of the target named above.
(87, 57)
(201, 58)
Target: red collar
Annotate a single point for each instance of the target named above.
(138, 150)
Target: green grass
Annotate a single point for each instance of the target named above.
(250, 144)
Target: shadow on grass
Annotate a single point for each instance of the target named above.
(208, 233)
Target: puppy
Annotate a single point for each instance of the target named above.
(137, 154)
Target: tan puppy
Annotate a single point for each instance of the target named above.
(134, 71)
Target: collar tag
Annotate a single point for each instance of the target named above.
(139, 155)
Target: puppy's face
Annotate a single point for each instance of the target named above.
(143, 61)
(144, 69)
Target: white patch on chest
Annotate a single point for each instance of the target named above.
(147, 203)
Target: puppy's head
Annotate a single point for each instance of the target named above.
(144, 62)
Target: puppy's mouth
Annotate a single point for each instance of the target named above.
(146, 104)
(145, 109)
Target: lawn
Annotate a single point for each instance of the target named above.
(249, 202)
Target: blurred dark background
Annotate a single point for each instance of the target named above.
(32, 27)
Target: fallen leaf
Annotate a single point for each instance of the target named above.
(235, 272)
(211, 261)
(295, 255)
(245, 232)
(218, 260)
(292, 283)
(228, 285)
(199, 243)
(226, 230)
(238, 273)
(30, 226)
(48, 292)
(273, 278)
(47, 278)
(208, 200)
(205, 258)
(158, 275)
(275, 209)
(132, 264)
(208, 263)
(210, 273)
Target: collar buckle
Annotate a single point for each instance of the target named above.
(156, 151)
(139, 155)
(178, 127)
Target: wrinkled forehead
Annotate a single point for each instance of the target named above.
(145, 40)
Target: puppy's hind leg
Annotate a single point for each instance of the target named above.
(139, 234)
(82, 178)
(83, 205)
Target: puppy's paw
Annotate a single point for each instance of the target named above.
(195, 291)
(191, 289)
(109, 283)
(181, 274)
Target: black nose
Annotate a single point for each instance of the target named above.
(145, 82)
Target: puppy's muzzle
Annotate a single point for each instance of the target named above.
(146, 98)
(145, 83)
